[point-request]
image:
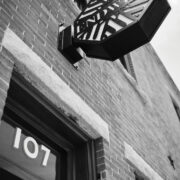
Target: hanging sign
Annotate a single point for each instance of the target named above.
(108, 29)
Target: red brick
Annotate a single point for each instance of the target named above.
(3, 95)
(52, 41)
(6, 8)
(10, 6)
(2, 103)
(101, 168)
(52, 28)
(100, 153)
(4, 20)
(39, 50)
(3, 85)
(28, 37)
(100, 160)
(7, 58)
(32, 20)
(39, 40)
(35, 6)
(116, 175)
(44, 16)
(5, 72)
(23, 8)
(1, 35)
(49, 55)
(17, 26)
(47, 61)
(1, 113)
(42, 28)
(103, 174)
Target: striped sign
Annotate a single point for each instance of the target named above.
(102, 19)
(109, 29)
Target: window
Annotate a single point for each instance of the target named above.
(126, 61)
(39, 142)
(81, 4)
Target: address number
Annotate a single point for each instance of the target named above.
(30, 140)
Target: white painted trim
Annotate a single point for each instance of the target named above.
(36, 66)
(134, 159)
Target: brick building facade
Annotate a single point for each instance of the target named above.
(129, 108)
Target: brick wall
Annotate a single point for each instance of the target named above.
(139, 112)
(6, 66)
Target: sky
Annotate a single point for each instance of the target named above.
(166, 42)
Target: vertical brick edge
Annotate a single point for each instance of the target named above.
(6, 68)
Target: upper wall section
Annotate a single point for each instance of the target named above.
(137, 110)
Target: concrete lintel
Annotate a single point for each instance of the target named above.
(35, 65)
(137, 162)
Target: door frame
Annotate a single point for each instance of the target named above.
(57, 129)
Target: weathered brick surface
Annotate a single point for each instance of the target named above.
(6, 67)
(138, 112)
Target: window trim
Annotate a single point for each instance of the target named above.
(175, 105)
(77, 141)
(177, 109)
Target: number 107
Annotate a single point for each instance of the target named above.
(31, 140)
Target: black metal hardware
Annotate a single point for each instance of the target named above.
(109, 29)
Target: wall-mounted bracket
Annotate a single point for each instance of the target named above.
(66, 45)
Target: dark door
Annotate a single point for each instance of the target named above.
(5, 175)
(39, 142)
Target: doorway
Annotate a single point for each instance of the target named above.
(38, 142)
